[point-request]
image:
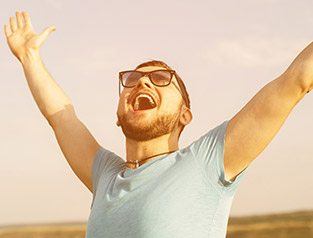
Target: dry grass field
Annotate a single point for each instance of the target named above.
(287, 225)
(44, 231)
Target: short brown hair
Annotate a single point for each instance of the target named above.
(179, 80)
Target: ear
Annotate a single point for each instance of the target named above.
(118, 123)
(186, 116)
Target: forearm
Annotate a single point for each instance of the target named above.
(49, 97)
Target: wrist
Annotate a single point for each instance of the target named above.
(30, 57)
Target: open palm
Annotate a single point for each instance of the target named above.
(21, 37)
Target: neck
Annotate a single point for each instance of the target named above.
(140, 150)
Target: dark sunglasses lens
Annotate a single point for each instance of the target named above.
(130, 78)
(161, 78)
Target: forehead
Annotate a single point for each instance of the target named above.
(149, 68)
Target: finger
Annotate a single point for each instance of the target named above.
(45, 33)
(7, 30)
(48, 30)
(20, 20)
(27, 19)
(13, 24)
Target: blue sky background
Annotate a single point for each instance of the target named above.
(225, 51)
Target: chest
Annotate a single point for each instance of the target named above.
(163, 201)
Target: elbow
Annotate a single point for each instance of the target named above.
(301, 83)
(309, 88)
(65, 114)
(306, 84)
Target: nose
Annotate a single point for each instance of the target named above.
(144, 82)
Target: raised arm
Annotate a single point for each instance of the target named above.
(77, 144)
(255, 125)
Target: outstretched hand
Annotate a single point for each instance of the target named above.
(21, 36)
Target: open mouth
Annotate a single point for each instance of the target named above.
(143, 102)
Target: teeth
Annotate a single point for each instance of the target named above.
(136, 105)
(146, 96)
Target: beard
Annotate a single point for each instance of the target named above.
(159, 126)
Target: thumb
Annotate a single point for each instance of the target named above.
(43, 36)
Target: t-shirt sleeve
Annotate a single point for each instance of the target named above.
(208, 151)
(105, 162)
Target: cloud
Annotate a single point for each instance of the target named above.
(97, 58)
(55, 4)
(254, 51)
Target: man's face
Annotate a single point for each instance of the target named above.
(142, 125)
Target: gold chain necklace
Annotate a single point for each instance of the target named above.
(138, 162)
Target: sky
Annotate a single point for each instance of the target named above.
(225, 51)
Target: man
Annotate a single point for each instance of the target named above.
(160, 190)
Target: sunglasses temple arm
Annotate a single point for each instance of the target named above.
(119, 88)
(178, 88)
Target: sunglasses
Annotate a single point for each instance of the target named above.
(159, 78)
